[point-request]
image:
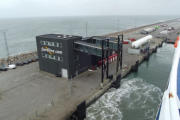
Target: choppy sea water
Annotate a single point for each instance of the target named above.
(21, 32)
(140, 93)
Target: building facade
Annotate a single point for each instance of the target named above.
(57, 55)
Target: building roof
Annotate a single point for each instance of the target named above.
(58, 36)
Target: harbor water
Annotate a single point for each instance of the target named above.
(21, 32)
(140, 93)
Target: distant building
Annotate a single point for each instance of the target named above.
(68, 56)
(57, 55)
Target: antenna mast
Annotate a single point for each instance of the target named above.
(6, 45)
(86, 28)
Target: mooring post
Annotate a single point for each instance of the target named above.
(102, 59)
(116, 83)
(148, 52)
(121, 50)
(80, 112)
(117, 64)
(107, 58)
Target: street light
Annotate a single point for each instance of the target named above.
(10, 66)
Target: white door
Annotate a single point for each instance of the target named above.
(64, 73)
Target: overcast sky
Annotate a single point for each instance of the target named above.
(29, 8)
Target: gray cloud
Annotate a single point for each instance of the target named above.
(28, 8)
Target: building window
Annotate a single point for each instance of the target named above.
(52, 44)
(49, 44)
(52, 57)
(49, 57)
(76, 58)
(55, 44)
(59, 45)
(43, 55)
(46, 55)
(60, 58)
(43, 43)
(58, 52)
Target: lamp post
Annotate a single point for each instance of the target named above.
(6, 45)
(10, 66)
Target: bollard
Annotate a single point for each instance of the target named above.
(116, 83)
(134, 68)
(80, 113)
(146, 57)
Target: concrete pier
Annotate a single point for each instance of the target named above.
(30, 94)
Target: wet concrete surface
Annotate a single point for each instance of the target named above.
(26, 91)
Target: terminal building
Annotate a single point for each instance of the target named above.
(68, 56)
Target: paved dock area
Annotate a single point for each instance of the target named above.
(29, 94)
(26, 91)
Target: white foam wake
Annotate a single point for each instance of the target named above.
(133, 95)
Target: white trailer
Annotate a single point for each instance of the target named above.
(165, 32)
(149, 30)
(138, 43)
